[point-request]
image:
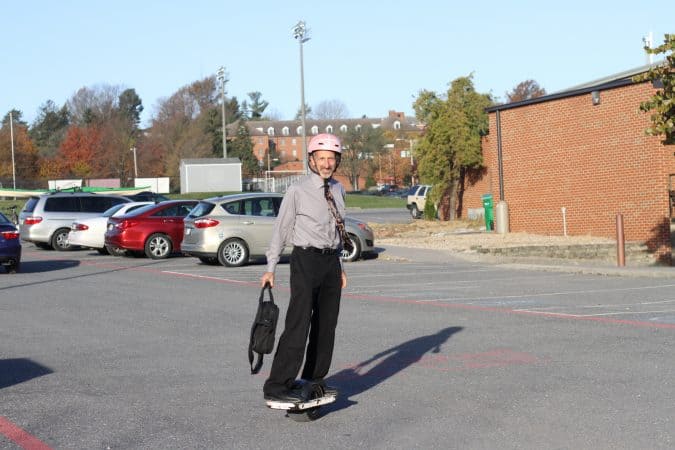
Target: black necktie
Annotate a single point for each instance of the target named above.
(339, 223)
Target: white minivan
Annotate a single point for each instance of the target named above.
(45, 219)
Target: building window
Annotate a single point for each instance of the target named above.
(329, 129)
(343, 128)
(358, 127)
(295, 153)
(298, 131)
(284, 131)
(315, 130)
(282, 142)
(270, 131)
(293, 141)
(397, 125)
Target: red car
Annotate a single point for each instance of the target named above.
(156, 230)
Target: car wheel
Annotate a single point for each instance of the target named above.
(414, 212)
(233, 253)
(60, 240)
(115, 251)
(14, 267)
(356, 250)
(158, 246)
(210, 260)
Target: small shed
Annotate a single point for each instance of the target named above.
(210, 175)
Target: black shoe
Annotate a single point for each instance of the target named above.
(286, 397)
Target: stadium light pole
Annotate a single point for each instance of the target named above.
(301, 33)
(222, 77)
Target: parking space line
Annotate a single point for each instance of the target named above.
(415, 273)
(466, 303)
(618, 313)
(205, 277)
(560, 293)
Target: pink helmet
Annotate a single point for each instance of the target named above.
(325, 141)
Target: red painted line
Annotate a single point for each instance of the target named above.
(21, 437)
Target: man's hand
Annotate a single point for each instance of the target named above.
(268, 277)
(344, 280)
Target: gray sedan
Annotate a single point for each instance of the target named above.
(232, 229)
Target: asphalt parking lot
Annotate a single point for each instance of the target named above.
(431, 352)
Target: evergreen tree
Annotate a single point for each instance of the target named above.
(130, 107)
(254, 110)
(49, 129)
(451, 144)
(242, 147)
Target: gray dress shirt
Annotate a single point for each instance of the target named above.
(304, 218)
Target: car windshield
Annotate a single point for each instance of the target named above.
(4, 219)
(112, 210)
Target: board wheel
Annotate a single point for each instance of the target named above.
(308, 391)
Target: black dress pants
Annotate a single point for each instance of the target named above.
(316, 286)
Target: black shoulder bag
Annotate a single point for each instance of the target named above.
(263, 330)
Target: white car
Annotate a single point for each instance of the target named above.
(417, 198)
(90, 233)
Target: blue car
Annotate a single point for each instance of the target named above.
(10, 245)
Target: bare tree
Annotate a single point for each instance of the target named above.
(330, 109)
(96, 103)
(183, 124)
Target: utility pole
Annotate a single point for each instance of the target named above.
(222, 77)
(11, 134)
(133, 149)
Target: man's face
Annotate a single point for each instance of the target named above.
(324, 162)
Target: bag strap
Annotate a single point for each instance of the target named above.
(255, 369)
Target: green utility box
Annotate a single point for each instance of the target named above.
(488, 207)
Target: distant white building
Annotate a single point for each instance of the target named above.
(210, 175)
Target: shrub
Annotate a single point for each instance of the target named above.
(430, 212)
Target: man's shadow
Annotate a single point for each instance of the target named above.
(352, 381)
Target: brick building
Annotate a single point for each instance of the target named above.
(585, 150)
(284, 137)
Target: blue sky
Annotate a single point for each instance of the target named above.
(371, 55)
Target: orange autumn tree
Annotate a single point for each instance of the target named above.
(50, 169)
(80, 153)
(25, 154)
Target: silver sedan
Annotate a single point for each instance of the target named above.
(232, 229)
